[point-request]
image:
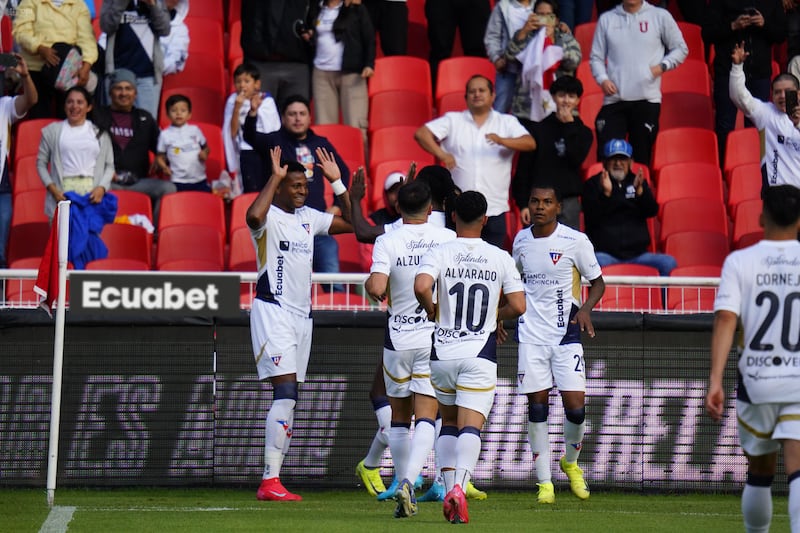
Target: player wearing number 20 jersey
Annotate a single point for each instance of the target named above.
(761, 284)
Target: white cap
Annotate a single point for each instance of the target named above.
(393, 179)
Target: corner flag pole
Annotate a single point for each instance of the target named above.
(58, 350)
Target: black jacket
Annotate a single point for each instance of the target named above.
(561, 148)
(617, 225)
(134, 158)
(268, 30)
(353, 28)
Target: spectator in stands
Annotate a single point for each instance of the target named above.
(182, 148)
(344, 58)
(299, 143)
(45, 33)
(175, 46)
(758, 25)
(545, 15)
(240, 156)
(562, 143)
(134, 133)
(478, 146)
(781, 163)
(616, 206)
(388, 213)
(12, 108)
(390, 20)
(444, 16)
(634, 44)
(75, 154)
(507, 18)
(133, 28)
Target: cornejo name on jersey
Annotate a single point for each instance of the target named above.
(154, 294)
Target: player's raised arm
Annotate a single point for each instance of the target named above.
(257, 212)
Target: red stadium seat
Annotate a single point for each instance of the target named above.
(25, 177)
(28, 135)
(398, 108)
(201, 70)
(584, 34)
(207, 104)
(747, 220)
(401, 73)
(584, 74)
(744, 184)
(126, 241)
(453, 73)
(626, 297)
(215, 163)
(235, 52)
(28, 206)
(206, 36)
(21, 291)
(691, 248)
(350, 259)
(133, 203)
(689, 77)
(348, 143)
(741, 147)
(451, 102)
(683, 145)
(686, 110)
(692, 34)
(692, 214)
(192, 207)
(211, 9)
(683, 180)
(242, 257)
(749, 239)
(189, 247)
(27, 240)
(117, 263)
(693, 299)
(239, 207)
(397, 142)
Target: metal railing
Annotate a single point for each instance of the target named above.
(660, 295)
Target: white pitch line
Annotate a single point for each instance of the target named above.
(58, 519)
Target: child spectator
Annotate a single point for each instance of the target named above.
(240, 157)
(182, 148)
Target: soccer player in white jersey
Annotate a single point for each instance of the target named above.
(552, 258)
(760, 286)
(470, 277)
(283, 231)
(407, 344)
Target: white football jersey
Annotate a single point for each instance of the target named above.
(284, 253)
(470, 275)
(397, 254)
(761, 284)
(551, 270)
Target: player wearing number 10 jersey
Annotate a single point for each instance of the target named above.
(552, 258)
(761, 285)
(470, 275)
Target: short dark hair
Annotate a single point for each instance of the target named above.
(477, 77)
(553, 4)
(294, 166)
(782, 205)
(439, 180)
(294, 99)
(249, 69)
(80, 89)
(470, 206)
(568, 85)
(174, 99)
(547, 184)
(414, 197)
(786, 76)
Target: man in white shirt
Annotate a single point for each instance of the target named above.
(283, 231)
(469, 277)
(552, 258)
(478, 146)
(407, 345)
(759, 287)
(781, 163)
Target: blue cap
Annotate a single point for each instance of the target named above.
(617, 147)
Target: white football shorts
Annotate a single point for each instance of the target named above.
(468, 382)
(539, 366)
(763, 426)
(407, 371)
(281, 341)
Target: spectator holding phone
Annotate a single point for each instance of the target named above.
(779, 119)
(758, 24)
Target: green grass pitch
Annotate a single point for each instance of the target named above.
(220, 510)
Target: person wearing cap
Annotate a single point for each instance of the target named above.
(616, 206)
(133, 28)
(562, 143)
(134, 133)
(388, 213)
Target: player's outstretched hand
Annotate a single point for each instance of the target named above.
(358, 186)
(328, 165)
(277, 170)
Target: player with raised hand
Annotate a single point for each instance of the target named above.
(470, 276)
(283, 231)
(760, 286)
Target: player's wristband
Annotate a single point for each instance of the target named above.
(338, 187)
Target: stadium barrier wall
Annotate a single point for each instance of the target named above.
(154, 402)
